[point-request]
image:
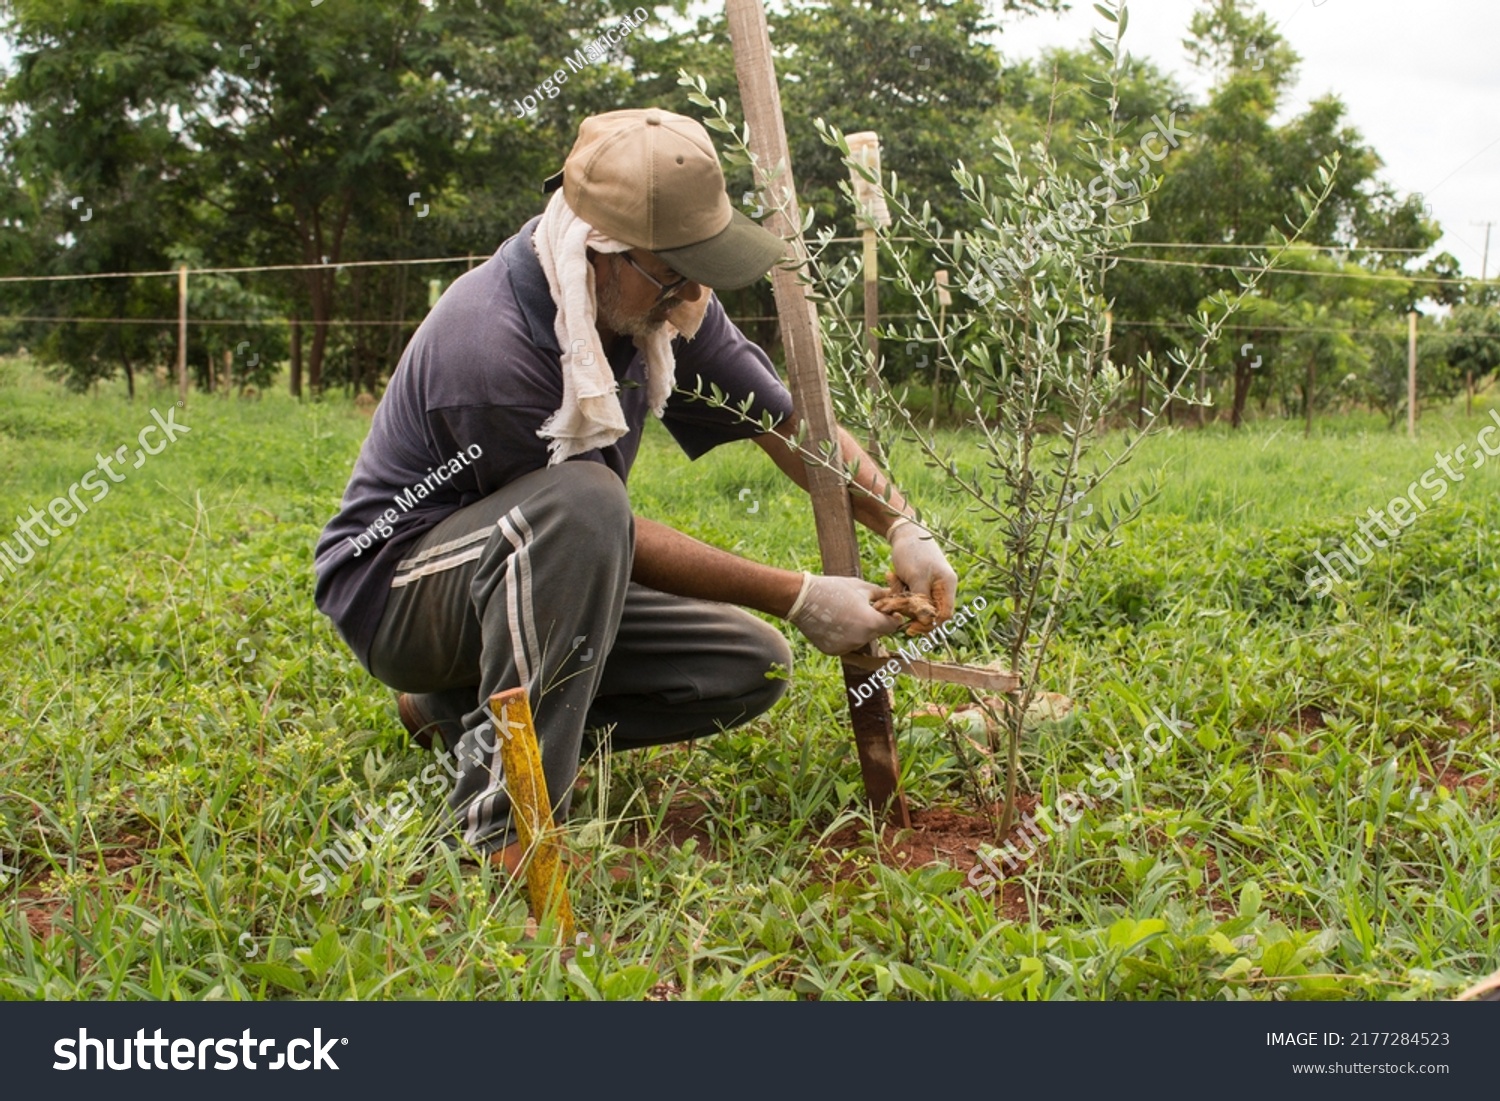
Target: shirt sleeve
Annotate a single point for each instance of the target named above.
(721, 356)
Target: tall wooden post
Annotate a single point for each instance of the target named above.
(808, 380)
(872, 216)
(182, 292)
(944, 301)
(1411, 374)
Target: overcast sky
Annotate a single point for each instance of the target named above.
(1421, 83)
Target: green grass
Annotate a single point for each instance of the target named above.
(180, 725)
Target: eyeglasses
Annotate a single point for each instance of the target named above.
(665, 288)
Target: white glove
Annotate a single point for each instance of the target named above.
(835, 613)
(921, 565)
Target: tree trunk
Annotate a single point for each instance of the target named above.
(406, 284)
(319, 297)
(354, 304)
(1242, 377)
(325, 284)
(396, 335)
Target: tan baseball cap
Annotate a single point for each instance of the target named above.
(651, 179)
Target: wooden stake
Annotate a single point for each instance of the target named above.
(808, 378)
(864, 149)
(872, 341)
(1485, 990)
(526, 784)
(972, 676)
(944, 301)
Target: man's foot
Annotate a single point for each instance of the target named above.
(419, 726)
(510, 858)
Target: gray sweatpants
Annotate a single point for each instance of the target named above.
(531, 587)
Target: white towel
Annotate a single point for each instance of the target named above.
(590, 415)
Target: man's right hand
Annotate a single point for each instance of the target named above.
(835, 613)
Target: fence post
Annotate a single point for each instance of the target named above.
(182, 291)
(1411, 375)
(296, 380)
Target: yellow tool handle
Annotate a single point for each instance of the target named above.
(531, 809)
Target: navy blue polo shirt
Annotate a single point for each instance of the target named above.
(460, 416)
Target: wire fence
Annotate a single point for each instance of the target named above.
(184, 275)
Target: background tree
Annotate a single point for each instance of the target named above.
(1227, 186)
(95, 103)
(1473, 345)
(266, 134)
(349, 131)
(263, 133)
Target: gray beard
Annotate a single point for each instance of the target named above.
(615, 319)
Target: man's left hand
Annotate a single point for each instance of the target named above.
(922, 567)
